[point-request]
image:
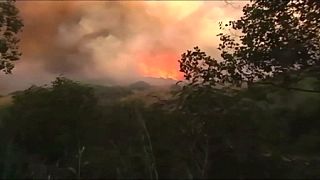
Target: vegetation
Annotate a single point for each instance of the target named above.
(275, 37)
(252, 114)
(72, 130)
(11, 25)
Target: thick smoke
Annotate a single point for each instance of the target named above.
(115, 41)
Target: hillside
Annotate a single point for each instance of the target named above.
(5, 100)
(140, 90)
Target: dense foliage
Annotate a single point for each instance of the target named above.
(71, 130)
(271, 37)
(10, 26)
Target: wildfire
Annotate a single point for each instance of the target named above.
(164, 65)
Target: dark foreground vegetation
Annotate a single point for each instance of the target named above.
(252, 114)
(71, 130)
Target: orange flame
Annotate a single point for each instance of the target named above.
(164, 65)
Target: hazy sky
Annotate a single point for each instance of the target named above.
(121, 41)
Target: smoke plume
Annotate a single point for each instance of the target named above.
(116, 41)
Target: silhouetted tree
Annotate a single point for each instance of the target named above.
(10, 25)
(275, 37)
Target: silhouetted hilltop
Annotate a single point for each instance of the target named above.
(140, 85)
(159, 81)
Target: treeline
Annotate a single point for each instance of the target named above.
(69, 130)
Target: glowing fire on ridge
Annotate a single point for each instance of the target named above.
(164, 65)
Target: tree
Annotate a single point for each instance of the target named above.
(10, 26)
(52, 121)
(251, 133)
(276, 37)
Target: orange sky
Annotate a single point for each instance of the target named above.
(122, 41)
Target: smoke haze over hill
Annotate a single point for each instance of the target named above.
(118, 41)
